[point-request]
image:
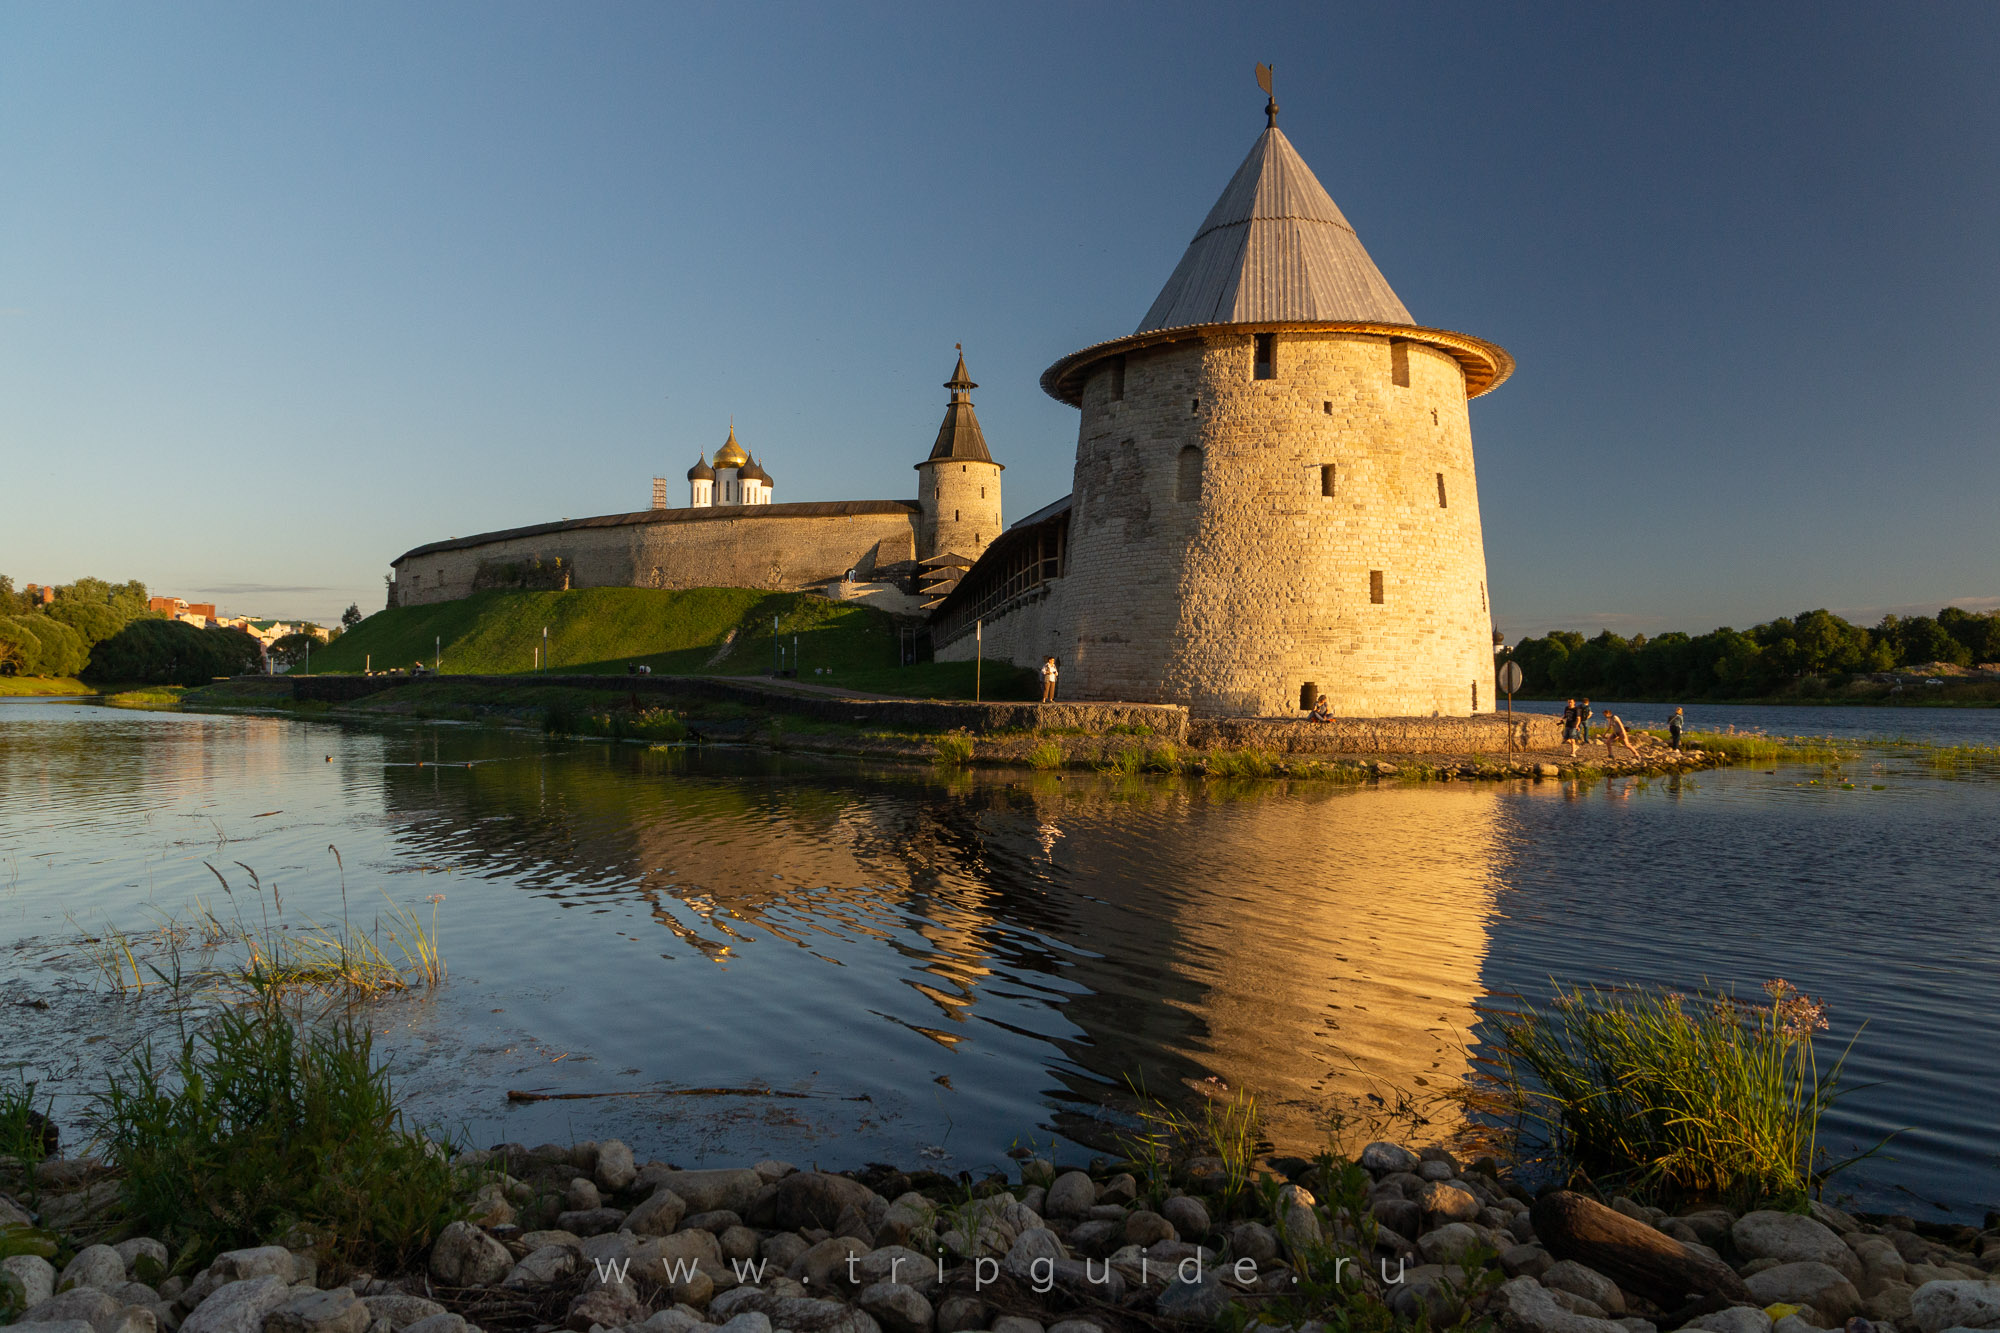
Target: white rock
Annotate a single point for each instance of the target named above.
(679, 1319)
(1792, 1239)
(1937, 1306)
(1524, 1304)
(262, 1261)
(1819, 1285)
(94, 1266)
(1736, 1319)
(615, 1168)
(1381, 1158)
(93, 1305)
(1298, 1224)
(897, 1307)
(400, 1309)
(1571, 1276)
(1452, 1243)
(1072, 1195)
(465, 1256)
(239, 1307)
(36, 1275)
(142, 1248)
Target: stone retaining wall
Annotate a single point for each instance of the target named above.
(1167, 721)
(1485, 734)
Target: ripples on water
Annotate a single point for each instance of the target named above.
(988, 959)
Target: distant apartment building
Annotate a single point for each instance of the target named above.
(37, 593)
(175, 608)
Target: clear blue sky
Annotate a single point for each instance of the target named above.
(288, 289)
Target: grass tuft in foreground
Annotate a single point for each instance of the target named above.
(259, 1126)
(1674, 1098)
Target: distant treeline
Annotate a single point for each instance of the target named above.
(103, 631)
(1742, 664)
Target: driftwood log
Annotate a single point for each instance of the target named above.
(1640, 1259)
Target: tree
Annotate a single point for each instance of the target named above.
(351, 616)
(1979, 633)
(293, 649)
(173, 652)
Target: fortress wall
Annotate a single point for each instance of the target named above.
(1023, 636)
(1224, 579)
(772, 551)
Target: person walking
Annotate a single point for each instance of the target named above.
(1569, 725)
(1614, 736)
(1675, 726)
(1048, 680)
(1583, 716)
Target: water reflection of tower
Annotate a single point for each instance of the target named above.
(1315, 950)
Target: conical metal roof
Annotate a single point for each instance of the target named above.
(1274, 249)
(959, 436)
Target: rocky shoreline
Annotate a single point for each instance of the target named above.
(586, 1239)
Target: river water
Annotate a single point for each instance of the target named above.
(937, 967)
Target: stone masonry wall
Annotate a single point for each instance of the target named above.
(1223, 578)
(771, 551)
(961, 503)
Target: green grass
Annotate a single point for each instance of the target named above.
(595, 630)
(1673, 1098)
(148, 696)
(1754, 747)
(28, 686)
(999, 682)
(953, 749)
(258, 1124)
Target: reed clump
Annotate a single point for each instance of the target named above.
(260, 1125)
(1246, 763)
(1047, 755)
(1671, 1097)
(953, 749)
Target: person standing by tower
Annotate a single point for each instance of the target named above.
(1048, 680)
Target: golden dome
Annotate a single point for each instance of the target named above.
(731, 453)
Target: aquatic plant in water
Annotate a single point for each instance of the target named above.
(1678, 1098)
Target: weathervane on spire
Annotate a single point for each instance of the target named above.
(1270, 107)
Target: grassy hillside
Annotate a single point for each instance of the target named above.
(608, 629)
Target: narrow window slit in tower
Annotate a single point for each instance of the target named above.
(1326, 480)
(1117, 379)
(1265, 361)
(954, 516)
(1327, 407)
(1194, 405)
(1399, 362)
(1187, 476)
(1441, 503)
(1375, 586)
(1475, 696)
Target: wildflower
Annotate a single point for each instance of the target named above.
(435, 898)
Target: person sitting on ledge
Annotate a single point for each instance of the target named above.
(1322, 711)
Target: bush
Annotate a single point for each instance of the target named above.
(1674, 1098)
(953, 748)
(260, 1125)
(1047, 755)
(37, 645)
(173, 652)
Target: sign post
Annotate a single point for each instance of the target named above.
(1510, 680)
(978, 655)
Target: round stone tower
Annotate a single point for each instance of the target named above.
(1274, 481)
(958, 486)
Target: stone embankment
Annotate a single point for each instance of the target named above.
(584, 1238)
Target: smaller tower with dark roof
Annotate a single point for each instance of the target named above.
(958, 486)
(701, 484)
